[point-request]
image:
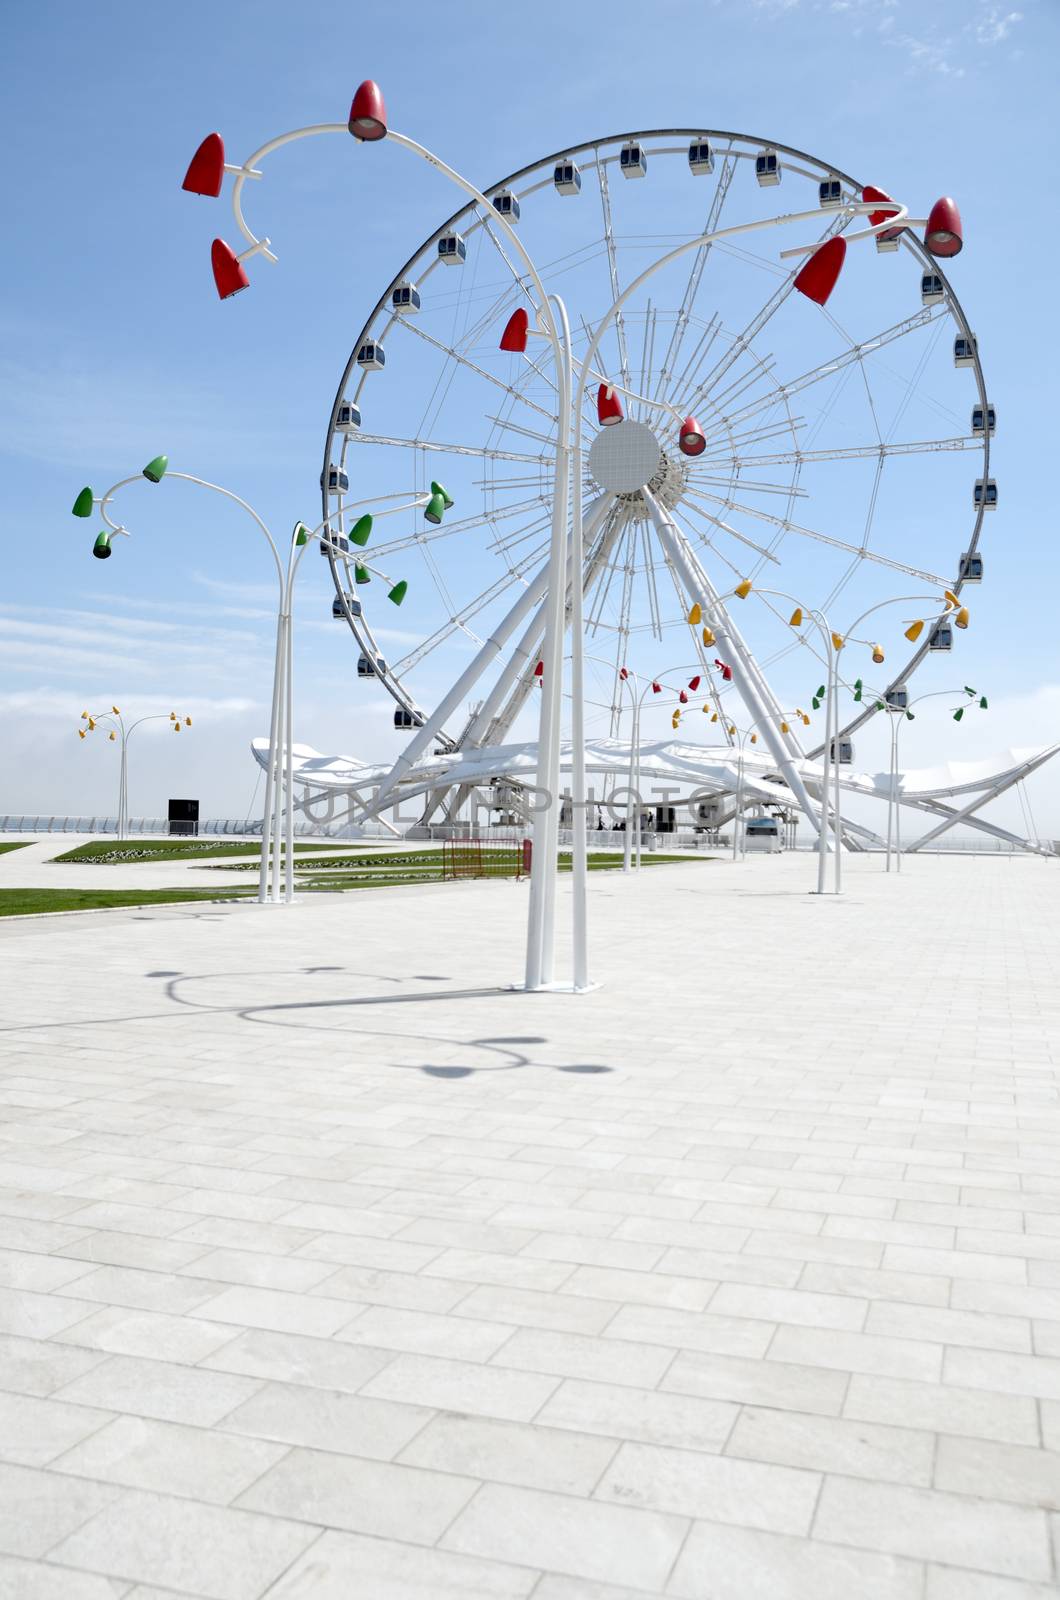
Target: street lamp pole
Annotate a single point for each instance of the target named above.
(124, 732)
(899, 715)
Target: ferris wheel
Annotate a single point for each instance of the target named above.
(839, 454)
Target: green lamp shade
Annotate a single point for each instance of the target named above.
(982, 702)
(815, 703)
(83, 504)
(909, 717)
(361, 575)
(361, 529)
(820, 692)
(155, 470)
(878, 706)
(301, 533)
(957, 715)
(858, 685)
(857, 694)
(439, 488)
(101, 549)
(972, 692)
(398, 592)
(435, 508)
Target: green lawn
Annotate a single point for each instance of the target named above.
(116, 852)
(31, 902)
(16, 844)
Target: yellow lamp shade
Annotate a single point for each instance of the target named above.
(695, 616)
(806, 719)
(187, 722)
(84, 716)
(708, 637)
(952, 598)
(913, 632)
(877, 654)
(172, 716)
(754, 738)
(837, 641)
(784, 728)
(80, 733)
(714, 715)
(706, 711)
(112, 736)
(91, 723)
(732, 730)
(115, 710)
(962, 618)
(743, 589)
(795, 620)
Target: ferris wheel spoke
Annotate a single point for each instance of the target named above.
(846, 358)
(734, 533)
(862, 554)
(448, 530)
(747, 485)
(612, 263)
(480, 372)
(452, 449)
(855, 452)
(457, 622)
(695, 277)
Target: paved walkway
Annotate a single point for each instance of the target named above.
(330, 1269)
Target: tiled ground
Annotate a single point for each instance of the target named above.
(329, 1269)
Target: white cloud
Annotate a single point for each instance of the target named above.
(995, 25)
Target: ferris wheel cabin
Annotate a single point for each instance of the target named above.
(338, 611)
(971, 568)
(830, 193)
(408, 719)
(767, 169)
(941, 637)
(983, 422)
(985, 495)
(369, 668)
(505, 204)
(632, 161)
(931, 290)
(348, 417)
(567, 178)
(964, 350)
(700, 158)
(371, 356)
(846, 752)
(452, 250)
(405, 298)
(897, 698)
(338, 481)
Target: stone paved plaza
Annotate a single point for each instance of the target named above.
(331, 1269)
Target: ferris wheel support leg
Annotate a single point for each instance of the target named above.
(278, 759)
(744, 671)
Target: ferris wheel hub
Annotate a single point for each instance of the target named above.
(627, 457)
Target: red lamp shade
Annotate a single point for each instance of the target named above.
(539, 670)
(228, 271)
(623, 673)
(693, 684)
(608, 406)
(368, 112)
(726, 672)
(692, 440)
(515, 331)
(683, 698)
(207, 169)
(817, 278)
(876, 217)
(943, 235)
(656, 688)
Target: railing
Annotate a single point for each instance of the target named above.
(238, 827)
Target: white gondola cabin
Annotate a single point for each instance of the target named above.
(846, 752)
(338, 610)
(762, 834)
(506, 205)
(407, 719)
(405, 298)
(964, 350)
(983, 422)
(369, 668)
(338, 480)
(897, 699)
(830, 193)
(941, 637)
(567, 178)
(931, 290)
(888, 241)
(985, 494)
(452, 250)
(632, 162)
(767, 169)
(334, 544)
(348, 417)
(371, 356)
(971, 568)
(700, 158)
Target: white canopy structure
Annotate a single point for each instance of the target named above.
(700, 772)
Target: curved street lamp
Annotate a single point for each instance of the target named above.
(119, 729)
(278, 814)
(899, 715)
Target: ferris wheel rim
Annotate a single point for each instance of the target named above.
(360, 626)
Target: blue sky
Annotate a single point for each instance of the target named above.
(115, 346)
